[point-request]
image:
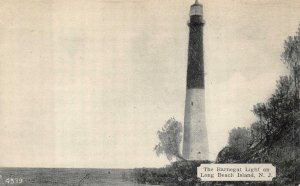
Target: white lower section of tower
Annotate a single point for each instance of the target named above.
(195, 142)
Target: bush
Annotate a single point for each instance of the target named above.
(178, 173)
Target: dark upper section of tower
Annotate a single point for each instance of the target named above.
(195, 71)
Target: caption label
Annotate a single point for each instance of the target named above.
(236, 172)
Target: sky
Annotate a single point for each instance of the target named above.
(88, 83)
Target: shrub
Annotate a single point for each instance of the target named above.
(178, 173)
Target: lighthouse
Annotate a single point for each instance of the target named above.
(195, 142)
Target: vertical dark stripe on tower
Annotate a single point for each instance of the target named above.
(195, 71)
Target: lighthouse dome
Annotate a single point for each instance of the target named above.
(196, 9)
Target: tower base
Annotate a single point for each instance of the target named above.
(195, 142)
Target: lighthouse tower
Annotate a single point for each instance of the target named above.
(195, 143)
